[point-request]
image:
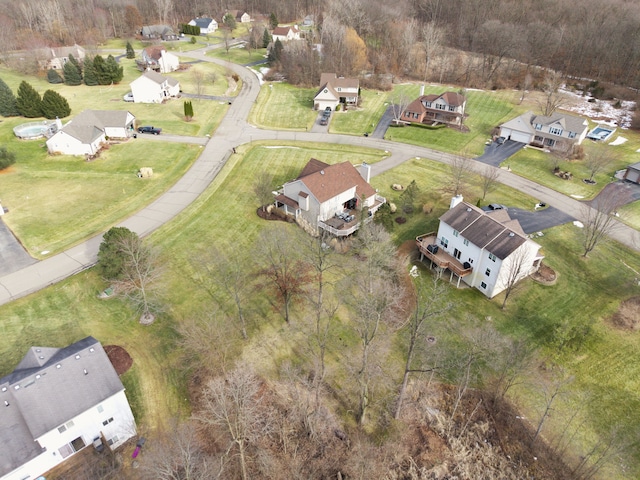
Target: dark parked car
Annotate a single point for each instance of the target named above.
(149, 129)
(324, 120)
(496, 206)
(500, 140)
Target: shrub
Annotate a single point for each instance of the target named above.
(130, 51)
(54, 105)
(193, 40)
(7, 158)
(53, 76)
(28, 101)
(8, 107)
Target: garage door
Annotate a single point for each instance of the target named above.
(515, 135)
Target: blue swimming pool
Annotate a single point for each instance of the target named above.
(601, 133)
(33, 130)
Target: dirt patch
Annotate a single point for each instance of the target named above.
(119, 357)
(545, 275)
(628, 315)
(6, 170)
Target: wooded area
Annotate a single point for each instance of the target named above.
(421, 39)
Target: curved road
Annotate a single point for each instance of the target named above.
(233, 131)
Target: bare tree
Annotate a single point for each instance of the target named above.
(516, 266)
(164, 8)
(263, 189)
(598, 158)
(552, 98)
(489, 180)
(430, 304)
(550, 392)
(286, 273)
(527, 81)
(431, 39)
(512, 359)
(598, 219)
(399, 102)
(179, 455)
(197, 76)
(459, 173)
(140, 272)
(232, 403)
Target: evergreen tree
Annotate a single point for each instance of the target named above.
(102, 75)
(71, 74)
(90, 76)
(113, 71)
(276, 51)
(111, 259)
(6, 158)
(54, 105)
(8, 106)
(273, 20)
(188, 110)
(76, 64)
(229, 21)
(28, 101)
(53, 76)
(130, 51)
(266, 38)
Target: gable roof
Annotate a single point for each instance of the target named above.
(332, 180)
(89, 125)
(634, 166)
(568, 122)
(485, 230)
(155, 51)
(47, 389)
(451, 98)
(203, 22)
(157, 78)
(148, 30)
(284, 31)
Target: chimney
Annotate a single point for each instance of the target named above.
(455, 201)
(421, 90)
(58, 123)
(365, 171)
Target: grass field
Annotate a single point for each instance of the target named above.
(364, 119)
(281, 106)
(239, 54)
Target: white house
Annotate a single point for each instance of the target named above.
(87, 131)
(57, 402)
(336, 90)
(151, 87)
(557, 131)
(57, 57)
(157, 58)
(486, 250)
(207, 25)
(285, 34)
(240, 16)
(329, 197)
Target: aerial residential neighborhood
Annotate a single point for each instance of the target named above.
(297, 242)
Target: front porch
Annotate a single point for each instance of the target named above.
(427, 245)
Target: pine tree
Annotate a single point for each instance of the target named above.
(273, 20)
(130, 51)
(100, 69)
(7, 158)
(28, 101)
(112, 70)
(71, 74)
(53, 76)
(54, 105)
(266, 38)
(90, 77)
(188, 110)
(76, 64)
(8, 106)
(276, 51)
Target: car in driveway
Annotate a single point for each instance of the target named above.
(496, 206)
(149, 129)
(500, 140)
(324, 121)
(128, 97)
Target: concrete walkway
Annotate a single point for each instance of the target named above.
(234, 131)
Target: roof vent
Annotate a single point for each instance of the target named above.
(321, 172)
(85, 371)
(511, 234)
(468, 209)
(41, 357)
(58, 366)
(77, 357)
(38, 376)
(6, 404)
(91, 349)
(4, 389)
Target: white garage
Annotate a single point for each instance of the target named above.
(515, 135)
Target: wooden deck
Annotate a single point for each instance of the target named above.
(441, 259)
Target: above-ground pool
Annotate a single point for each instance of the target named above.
(601, 133)
(31, 130)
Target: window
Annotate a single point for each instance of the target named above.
(452, 108)
(456, 253)
(538, 126)
(555, 131)
(407, 114)
(492, 257)
(107, 421)
(470, 260)
(100, 409)
(62, 429)
(483, 285)
(439, 106)
(428, 104)
(444, 242)
(455, 233)
(466, 242)
(572, 134)
(487, 272)
(113, 440)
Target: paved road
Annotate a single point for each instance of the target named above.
(12, 254)
(539, 220)
(234, 131)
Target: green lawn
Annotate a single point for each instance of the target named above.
(361, 120)
(239, 54)
(281, 106)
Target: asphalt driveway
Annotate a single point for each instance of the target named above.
(540, 219)
(13, 256)
(495, 154)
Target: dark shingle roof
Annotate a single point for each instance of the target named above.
(332, 180)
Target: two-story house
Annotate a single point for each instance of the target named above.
(157, 58)
(447, 108)
(207, 25)
(151, 87)
(336, 90)
(330, 197)
(486, 250)
(57, 402)
(57, 57)
(285, 34)
(559, 131)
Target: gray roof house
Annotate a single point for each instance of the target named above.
(206, 24)
(556, 132)
(163, 32)
(632, 173)
(56, 402)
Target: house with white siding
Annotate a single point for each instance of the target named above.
(157, 58)
(57, 402)
(336, 90)
(151, 87)
(485, 250)
(330, 197)
(559, 131)
(207, 25)
(286, 33)
(88, 131)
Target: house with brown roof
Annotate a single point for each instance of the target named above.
(336, 90)
(447, 108)
(157, 58)
(330, 197)
(240, 16)
(487, 250)
(57, 57)
(286, 33)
